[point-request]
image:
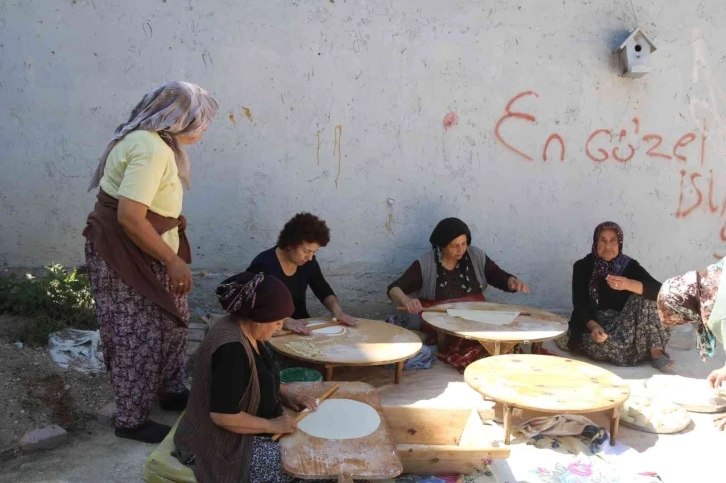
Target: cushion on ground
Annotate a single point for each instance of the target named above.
(162, 467)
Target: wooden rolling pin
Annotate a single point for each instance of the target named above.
(314, 327)
(305, 413)
(443, 310)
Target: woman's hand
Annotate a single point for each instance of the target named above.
(717, 377)
(516, 285)
(412, 306)
(347, 319)
(297, 326)
(298, 403)
(598, 335)
(620, 283)
(283, 425)
(180, 275)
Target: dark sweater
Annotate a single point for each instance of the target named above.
(586, 310)
(308, 274)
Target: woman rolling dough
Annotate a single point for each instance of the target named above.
(700, 297)
(293, 262)
(235, 401)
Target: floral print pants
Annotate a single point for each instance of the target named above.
(143, 348)
(632, 333)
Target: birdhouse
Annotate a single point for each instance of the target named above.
(635, 54)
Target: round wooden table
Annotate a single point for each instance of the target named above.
(548, 384)
(370, 343)
(531, 326)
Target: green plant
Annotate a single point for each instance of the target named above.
(59, 299)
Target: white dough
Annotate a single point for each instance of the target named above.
(490, 317)
(334, 330)
(341, 419)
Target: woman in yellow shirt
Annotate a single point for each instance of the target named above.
(137, 254)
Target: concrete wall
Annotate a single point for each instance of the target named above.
(380, 116)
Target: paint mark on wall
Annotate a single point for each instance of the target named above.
(148, 31)
(450, 120)
(232, 118)
(207, 59)
(336, 147)
(318, 151)
(248, 113)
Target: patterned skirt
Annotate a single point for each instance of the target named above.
(632, 333)
(266, 465)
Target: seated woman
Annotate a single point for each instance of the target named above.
(700, 297)
(293, 262)
(452, 271)
(615, 318)
(234, 405)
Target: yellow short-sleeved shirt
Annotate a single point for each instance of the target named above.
(142, 167)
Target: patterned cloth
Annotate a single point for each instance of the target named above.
(690, 298)
(266, 466)
(604, 268)
(143, 348)
(632, 333)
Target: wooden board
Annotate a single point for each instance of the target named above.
(371, 343)
(693, 395)
(534, 328)
(373, 457)
(439, 441)
(547, 383)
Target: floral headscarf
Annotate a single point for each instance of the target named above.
(602, 267)
(692, 298)
(173, 109)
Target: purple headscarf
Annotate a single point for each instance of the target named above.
(603, 268)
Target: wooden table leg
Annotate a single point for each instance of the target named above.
(507, 423)
(328, 373)
(535, 347)
(614, 424)
(495, 348)
(441, 341)
(399, 371)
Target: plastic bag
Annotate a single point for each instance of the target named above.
(77, 349)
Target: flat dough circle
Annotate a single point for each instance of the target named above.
(341, 419)
(334, 330)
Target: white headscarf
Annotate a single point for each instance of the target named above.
(174, 109)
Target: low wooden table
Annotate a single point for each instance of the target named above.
(548, 384)
(373, 457)
(370, 343)
(534, 328)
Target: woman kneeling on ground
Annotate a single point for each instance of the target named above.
(452, 271)
(700, 297)
(234, 406)
(615, 318)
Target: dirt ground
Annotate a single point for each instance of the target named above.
(35, 392)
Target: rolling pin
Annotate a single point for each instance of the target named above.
(443, 311)
(315, 327)
(305, 413)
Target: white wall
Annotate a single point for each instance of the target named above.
(387, 72)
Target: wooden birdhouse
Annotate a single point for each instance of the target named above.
(635, 54)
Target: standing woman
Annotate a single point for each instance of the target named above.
(137, 254)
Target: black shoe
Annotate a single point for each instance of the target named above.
(177, 402)
(149, 432)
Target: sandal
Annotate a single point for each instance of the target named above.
(663, 363)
